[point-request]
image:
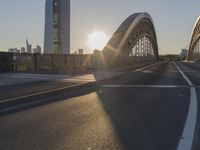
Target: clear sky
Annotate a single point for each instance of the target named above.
(173, 19)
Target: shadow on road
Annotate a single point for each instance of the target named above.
(33, 102)
(145, 121)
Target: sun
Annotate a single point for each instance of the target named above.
(97, 40)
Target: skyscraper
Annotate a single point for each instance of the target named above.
(28, 47)
(57, 27)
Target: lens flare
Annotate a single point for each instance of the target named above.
(97, 40)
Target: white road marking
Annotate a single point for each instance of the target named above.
(144, 68)
(52, 78)
(144, 86)
(4, 110)
(39, 93)
(186, 141)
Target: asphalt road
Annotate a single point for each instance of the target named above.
(143, 110)
(22, 89)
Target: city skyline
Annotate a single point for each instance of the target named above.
(173, 21)
(140, 92)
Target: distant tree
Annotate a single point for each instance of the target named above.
(170, 57)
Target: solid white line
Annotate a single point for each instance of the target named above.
(58, 79)
(186, 141)
(39, 93)
(146, 67)
(144, 86)
(4, 110)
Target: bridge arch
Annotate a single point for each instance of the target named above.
(135, 37)
(193, 53)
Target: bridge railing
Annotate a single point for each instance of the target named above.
(5, 62)
(24, 62)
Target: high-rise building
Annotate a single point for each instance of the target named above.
(17, 50)
(28, 47)
(37, 50)
(57, 27)
(11, 50)
(14, 50)
(23, 50)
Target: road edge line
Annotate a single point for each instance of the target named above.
(9, 109)
(40, 93)
(146, 67)
(186, 141)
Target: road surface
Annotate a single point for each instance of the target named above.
(142, 110)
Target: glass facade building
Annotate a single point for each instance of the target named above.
(57, 27)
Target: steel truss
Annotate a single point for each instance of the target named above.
(194, 53)
(135, 38)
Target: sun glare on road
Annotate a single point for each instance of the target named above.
(97, 40)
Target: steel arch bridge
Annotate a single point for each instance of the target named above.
(135, 39)
(193, 53)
